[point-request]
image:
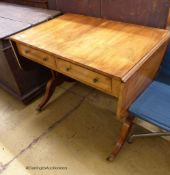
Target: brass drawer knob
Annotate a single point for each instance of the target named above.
(45, 59)
(68, 69)
(27, 51)
(95, 80)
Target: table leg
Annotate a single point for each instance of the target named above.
(55, 80)
(124, 132)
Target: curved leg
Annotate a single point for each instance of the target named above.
(124, 131)
(55, 80)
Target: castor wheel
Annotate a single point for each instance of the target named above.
(110, 158)
(129, 142)
(39, 109)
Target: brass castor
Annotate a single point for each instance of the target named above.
(110, 158)
(39, 109)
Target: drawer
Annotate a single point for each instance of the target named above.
(36, 55)
(84, 75)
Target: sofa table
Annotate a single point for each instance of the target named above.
(117, 58)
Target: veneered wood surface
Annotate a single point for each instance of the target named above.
(139, 81)
(109, 47)
(37, 56)
(84, 75)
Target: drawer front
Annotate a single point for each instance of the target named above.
(36, 55)
(84, 75)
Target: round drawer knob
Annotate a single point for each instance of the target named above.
(95, 80)
(27, 51)
(45, 59)
(68, 69)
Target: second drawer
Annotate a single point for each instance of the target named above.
(84, 75)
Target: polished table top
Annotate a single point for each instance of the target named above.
(111, 48)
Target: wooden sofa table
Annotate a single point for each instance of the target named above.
(117, 58)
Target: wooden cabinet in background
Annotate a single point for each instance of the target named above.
(17, 82)
(33, 3)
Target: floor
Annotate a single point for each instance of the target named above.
(73, 136)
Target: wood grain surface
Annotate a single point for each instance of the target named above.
(109, 47)
(139, 81)
(117, 58)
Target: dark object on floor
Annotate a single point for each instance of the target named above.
(14, 80)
